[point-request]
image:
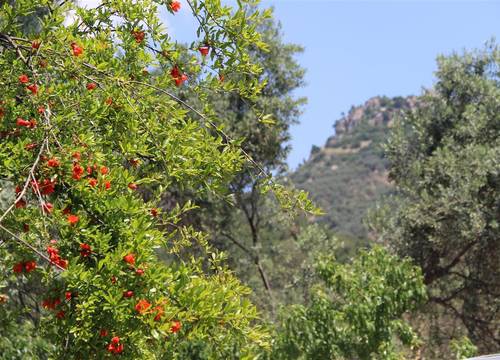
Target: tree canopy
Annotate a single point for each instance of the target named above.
(85, 129)
(445, 161)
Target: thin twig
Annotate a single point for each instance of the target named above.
(42, 255)
(27, 182)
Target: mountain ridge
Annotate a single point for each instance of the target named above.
(348, 174)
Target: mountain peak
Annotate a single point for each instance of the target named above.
(349, 173)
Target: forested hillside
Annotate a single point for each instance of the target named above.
(347, 175)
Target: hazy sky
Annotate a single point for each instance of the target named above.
(358, 49)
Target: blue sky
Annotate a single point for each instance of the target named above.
(355, 50)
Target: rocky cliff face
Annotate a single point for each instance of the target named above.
(348, 175)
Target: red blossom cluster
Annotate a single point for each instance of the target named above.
(27, 266)
(53, 162)
(26, 123)
(145, 307)
(33, 88)
(177, 76)
(55, 303)
(51, 304)
(142, 306)
(55, 258)
(115, 347)
(20, 204)
(78, 172)
(46, 187)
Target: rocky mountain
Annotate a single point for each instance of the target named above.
(348, 175)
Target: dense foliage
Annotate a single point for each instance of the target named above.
(357, 313)
(84, 129)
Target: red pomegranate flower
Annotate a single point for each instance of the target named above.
(177, 76)
(22, 122)
(107, 185)
(142, 306)
(73, 219)
(175, 73)
(29, 266)
(18, 268)
(103, 333)
(104, 170)
(54, 162)
(204, 50)
(35, 44)
(132, 186)
(68, 295)
(33, 88)
(176, 326)
(139, 272)
(129, 258)
(180, 80)
(23, 79)
(47, 187)
(85, 250)
(92, 182)
(77, 171)
(77, 50)
(154, 212)
(175, 6)
(62, 263)
(91, 86)
(115, 349)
